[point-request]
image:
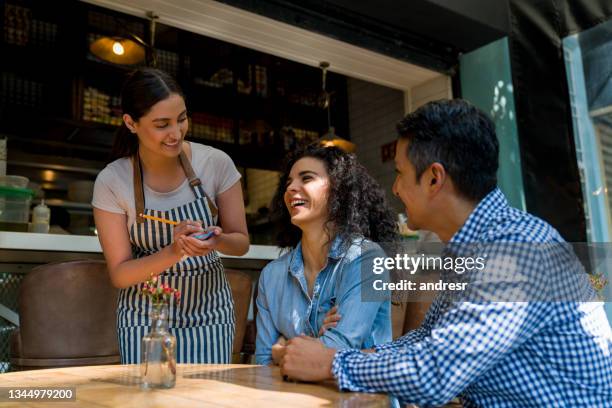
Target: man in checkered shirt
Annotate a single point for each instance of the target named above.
(518, 352)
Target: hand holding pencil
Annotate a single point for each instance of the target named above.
(189, 238)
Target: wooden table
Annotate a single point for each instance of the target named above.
(197, 385)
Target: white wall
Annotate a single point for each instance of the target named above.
(261, 186)
(432, 90)
(374, 110)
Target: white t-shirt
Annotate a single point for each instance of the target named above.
(114, 187)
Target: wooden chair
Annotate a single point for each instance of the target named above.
(67, 314)
(241, 286)
(407, 316)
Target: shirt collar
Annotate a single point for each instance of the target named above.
(478, 221)
(336, 250)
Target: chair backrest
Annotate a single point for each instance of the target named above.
(415, 314)
(407, 316)
(67, 310)
(241, 286)
(398, 317)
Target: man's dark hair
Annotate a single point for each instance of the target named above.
(457, 135)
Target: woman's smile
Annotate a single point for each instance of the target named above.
(306, 193)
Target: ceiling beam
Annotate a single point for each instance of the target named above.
(230, 24)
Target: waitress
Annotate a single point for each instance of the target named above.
(157, 173)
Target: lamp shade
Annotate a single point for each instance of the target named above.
(331, 139)
(118, 50)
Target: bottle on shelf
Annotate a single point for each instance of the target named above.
(41, 215)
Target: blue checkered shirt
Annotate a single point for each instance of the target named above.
(495, 354)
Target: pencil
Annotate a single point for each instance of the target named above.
(150, 217)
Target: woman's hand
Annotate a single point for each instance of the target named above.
(196, 247)
(332, 317)
(278, 350)
(180, 232)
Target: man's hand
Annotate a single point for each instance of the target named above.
(307, 359)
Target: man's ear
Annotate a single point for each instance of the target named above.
(129, 122)
(437, 176)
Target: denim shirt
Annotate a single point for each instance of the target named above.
(286, 309)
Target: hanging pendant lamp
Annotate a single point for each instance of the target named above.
(129, 49)
(330, 138)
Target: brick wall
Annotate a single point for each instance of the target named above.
(373, 112)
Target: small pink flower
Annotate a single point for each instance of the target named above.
(158, 291)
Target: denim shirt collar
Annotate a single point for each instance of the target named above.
(296, 265)
(478, 221)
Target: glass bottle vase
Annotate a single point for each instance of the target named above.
(158, 360)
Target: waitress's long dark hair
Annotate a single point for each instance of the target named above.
(356, 202)
(142, 89)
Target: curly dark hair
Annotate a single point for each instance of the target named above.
(356, 203)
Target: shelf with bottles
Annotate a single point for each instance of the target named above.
(256, 132)
(267, 157)
(211, 127)
(101, 107)
(22, 28)
(111, 22)
(35, 35)
(20, 91)
(252, 83)
(220, 87)
(292, 137)
(286, 138)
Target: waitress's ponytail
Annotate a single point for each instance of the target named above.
(142, 89)
(125, 144)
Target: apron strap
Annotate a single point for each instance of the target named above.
(195, 182)
(138, 189)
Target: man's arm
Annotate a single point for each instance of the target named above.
(468, 340)
(473, 334)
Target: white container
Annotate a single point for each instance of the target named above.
(14, 181)
(41, 215)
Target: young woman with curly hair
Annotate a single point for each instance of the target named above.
(332, 213)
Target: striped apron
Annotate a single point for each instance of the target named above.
(203, 321)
